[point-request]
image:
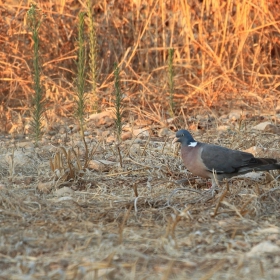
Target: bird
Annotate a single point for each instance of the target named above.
(216, 162)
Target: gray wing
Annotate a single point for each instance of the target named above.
(224, 160)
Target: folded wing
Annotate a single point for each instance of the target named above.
(224, 160)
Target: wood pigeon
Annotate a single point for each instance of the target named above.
(204, 160)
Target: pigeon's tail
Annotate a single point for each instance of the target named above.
(255, 163)
(265, 167)
(263, 161)
(266, 164)
(273, 166)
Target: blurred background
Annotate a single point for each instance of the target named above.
(226, 56)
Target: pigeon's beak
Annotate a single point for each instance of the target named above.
(175, 140)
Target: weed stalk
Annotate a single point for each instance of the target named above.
(34, 19)
(81, 96)
(118, 103)
(171, 81)
(92, 57)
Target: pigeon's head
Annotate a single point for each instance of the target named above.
(185, 138)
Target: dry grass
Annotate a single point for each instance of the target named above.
(65, 220)
(226, 55)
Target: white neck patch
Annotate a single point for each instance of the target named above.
(192, 144)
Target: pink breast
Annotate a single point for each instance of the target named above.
(192, 160)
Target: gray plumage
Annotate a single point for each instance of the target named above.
(203, 159)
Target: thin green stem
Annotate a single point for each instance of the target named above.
(92, 56)
(171, 81)
(34, 22)
(118, 102)
(81, 96)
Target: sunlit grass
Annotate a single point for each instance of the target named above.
(225, 55)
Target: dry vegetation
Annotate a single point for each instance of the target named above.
(114, 211)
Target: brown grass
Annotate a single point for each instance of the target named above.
(65, 220)
(226, 55)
